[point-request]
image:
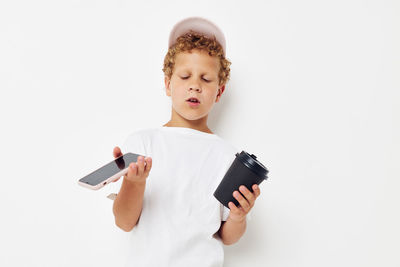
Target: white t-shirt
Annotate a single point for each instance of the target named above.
(180, 215)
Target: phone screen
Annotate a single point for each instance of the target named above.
(110, 169)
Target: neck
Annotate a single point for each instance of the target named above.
(179, 121)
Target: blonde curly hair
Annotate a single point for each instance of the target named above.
(193, 40)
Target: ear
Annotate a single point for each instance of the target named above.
(221, 89)
(167, 82)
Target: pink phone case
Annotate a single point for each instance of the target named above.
(109, 180)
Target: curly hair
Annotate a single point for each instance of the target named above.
(194, 40)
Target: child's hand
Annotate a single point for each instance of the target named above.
(238, 214)
(137, 172)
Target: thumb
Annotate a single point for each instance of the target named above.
(117, 152)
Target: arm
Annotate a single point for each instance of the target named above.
(231, 231)
(128, 204)
(234, 227)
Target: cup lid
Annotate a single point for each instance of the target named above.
(250, 160)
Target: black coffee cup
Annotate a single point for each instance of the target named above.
(245, 170)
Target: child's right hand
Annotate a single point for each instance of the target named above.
(137, 172)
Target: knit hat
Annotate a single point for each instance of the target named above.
(199, 25)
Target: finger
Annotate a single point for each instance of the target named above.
(256, 190)
(249, 195)
(132, 171)
(117, 152)
(148, 161)
(140, 164)
(242, 201)
(233, 208)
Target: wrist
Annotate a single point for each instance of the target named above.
(135, 183)
(237, 220)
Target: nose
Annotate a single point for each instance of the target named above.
(195, 86)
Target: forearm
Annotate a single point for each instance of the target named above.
(128, 204)
(231, 231)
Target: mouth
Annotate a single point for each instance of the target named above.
(193, 100)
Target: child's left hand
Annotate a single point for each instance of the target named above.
(238, 214)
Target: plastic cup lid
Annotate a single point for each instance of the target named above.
(252, 163)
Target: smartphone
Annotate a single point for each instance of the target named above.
(108, 172)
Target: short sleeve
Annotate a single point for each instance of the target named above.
(225, 212)
(134, 144)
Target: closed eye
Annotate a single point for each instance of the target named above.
(184, 78)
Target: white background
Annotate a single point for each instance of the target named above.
(314, 93)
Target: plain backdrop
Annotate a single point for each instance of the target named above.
(314, 93)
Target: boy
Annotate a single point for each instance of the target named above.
(169, 207)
